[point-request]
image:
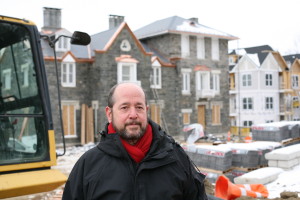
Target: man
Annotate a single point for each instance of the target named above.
(135, 159)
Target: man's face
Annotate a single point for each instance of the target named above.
(129, 112)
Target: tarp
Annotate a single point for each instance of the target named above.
(194, 132)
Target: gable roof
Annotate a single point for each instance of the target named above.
(291, 58)
(179, 25)
(260, 51)
(101, 42)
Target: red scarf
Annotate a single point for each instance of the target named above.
(140, 149)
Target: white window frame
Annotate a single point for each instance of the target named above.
(200, 48)
(156, 76)
(216, 81)
(269, 103)
(269, 79)
(6, 75)
(67, 74)
(132, 72)
(185, 46)
(186, 81)
(63, 44)
(215, 51)
(25, 72)
(295, 81)
(202, 80)
(246, 80)
(247, 103)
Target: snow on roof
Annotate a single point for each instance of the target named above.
(188, 26)
(254, 58)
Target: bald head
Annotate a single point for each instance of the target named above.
(123, 87)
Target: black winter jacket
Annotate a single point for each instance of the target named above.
(107, 172)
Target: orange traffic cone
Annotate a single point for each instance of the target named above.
(248, 139)
(228, 136)
(229, 191)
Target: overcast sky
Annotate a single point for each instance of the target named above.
(255, 22)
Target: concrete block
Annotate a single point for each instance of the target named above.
(285, 153)
(259, 176)
(273, 163)
(288, 164)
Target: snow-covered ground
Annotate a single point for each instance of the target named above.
(288, 180)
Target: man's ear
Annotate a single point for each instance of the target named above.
(108, 112)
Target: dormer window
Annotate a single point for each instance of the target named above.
(63, 44)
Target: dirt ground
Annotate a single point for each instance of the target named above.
(210, 189)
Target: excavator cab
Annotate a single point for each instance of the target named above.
(27, 141)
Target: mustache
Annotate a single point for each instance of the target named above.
(133, 123)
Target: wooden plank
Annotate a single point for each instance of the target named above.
(71, 121)
(83, 108)
(65, 119)
(89, 125)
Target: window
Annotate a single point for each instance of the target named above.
(247, 123)
(202, 80)
(247, 80)
(63, 44)
(24, 70)
(127, 72)
(185, 46)
(231, 61)
(216, 114)
(186, 88)
(247, 103)
(215, 49)
(68, 73)
(186, 115)
(295, 81)
(269, 80)
(156, 76)
(6, 76)
(269, 103)
(200, 48)
(216, 82)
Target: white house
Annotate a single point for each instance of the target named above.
(255, 87)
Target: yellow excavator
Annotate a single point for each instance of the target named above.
(27, 139)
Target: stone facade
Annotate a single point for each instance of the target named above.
(97, 74)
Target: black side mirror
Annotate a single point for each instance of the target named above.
(80, 38)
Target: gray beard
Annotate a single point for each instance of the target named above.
(128, 137)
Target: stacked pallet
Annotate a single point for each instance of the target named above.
(276, 131)
(231, 159)
(209, 156)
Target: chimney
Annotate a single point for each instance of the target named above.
(194, 19)
(52, 19)
(115, 21)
